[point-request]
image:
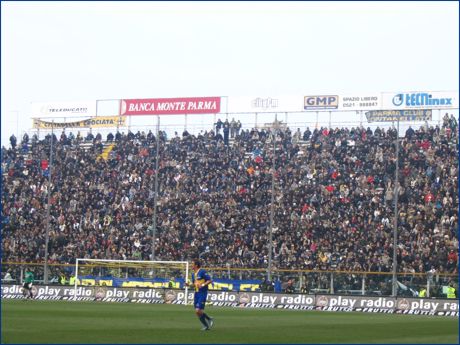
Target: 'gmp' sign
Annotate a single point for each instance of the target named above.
(321, 102)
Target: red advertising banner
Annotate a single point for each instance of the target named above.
(171, 106)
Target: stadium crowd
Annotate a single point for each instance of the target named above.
(333, 201)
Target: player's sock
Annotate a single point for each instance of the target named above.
(210, 322)
(203, 321)
(206, 316)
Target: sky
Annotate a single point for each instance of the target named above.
(66, 51)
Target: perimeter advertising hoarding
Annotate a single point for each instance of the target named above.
(63, 109)
(170, 106)
(390, 305)
(420, 100)
(280, 104)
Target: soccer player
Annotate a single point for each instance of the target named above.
(201, 281)
(27, 286)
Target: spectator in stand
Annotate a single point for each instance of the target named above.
(306, 135)
(238, 127)
(89, 136)
(410, 133)
(13, 141)
(226, 126)
(25, 139)
(233, 126)
(290, 287)
(219, 125)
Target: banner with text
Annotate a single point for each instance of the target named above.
(356, 102)
(264, 104)
(93, 122)
(319, 102)
(420, 100)
(243, 299)
(401, 115)
(171, 106)
(63, 109)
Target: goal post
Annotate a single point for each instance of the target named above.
(149, 274)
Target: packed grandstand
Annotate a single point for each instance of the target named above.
(334, 197)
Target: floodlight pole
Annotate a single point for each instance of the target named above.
(48, 207)
(395, 228)
(155, 197)
(272, 203)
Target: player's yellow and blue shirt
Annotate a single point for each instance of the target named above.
(201, 276)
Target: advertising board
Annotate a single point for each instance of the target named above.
(243, 299)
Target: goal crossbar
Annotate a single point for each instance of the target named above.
(137, 263)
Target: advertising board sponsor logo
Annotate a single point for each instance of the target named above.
(376, 302)
(46, 291)
(415, 312)
(259, 305)
(420, 100)
(322, 301)
(321, 102)
(403, 304)
(171, 106)
(53, 110)
(222, 296)
(71, 108)
(244, 298)
(100, 293)
(170, 295)
(297, 299)
(264, 103)
(330, 308)
(295, 307)
(34, 290)
(447, 313)
(264, 298)
(375, 310)
(116, 299)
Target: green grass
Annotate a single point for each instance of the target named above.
(26, 321)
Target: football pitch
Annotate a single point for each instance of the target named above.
(65, 322)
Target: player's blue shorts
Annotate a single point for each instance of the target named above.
(199, 300)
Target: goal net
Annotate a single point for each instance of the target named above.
(132, 273)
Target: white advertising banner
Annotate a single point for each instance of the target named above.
(420, 100)
(280, 104)
(264, 104)
(243, 299)
(64, 109)
(360, 101)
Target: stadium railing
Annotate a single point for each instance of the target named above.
(305, 281)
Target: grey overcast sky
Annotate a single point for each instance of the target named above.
(64, 51)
